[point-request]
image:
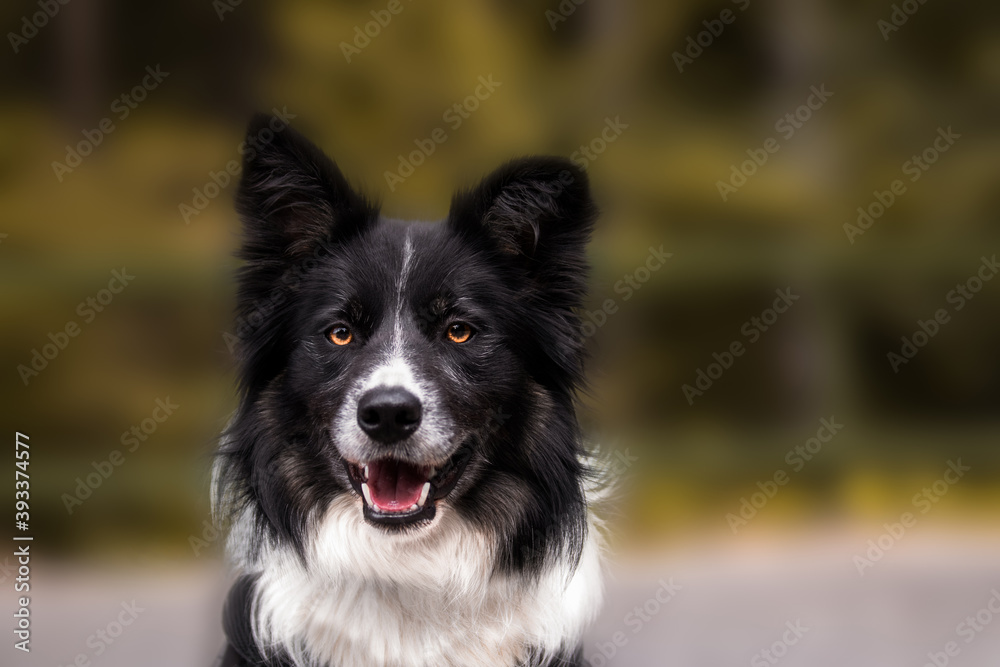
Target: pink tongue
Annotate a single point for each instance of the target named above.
(395, 486)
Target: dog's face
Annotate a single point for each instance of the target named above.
(405, 345)
(410, 364)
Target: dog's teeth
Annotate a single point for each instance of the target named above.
(366, 472)
(414, 506)
(367, 494)
(423, 494)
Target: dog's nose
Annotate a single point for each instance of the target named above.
(388, 414)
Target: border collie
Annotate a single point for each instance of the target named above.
(404, 481)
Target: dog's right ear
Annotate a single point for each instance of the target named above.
(292, 197)
(294, 204)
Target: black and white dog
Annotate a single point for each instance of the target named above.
(404, 481)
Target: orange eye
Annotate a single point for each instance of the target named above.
(340, 335)
(459, 332)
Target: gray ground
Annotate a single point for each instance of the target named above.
(731, 605)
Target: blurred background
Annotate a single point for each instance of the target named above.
(828, 168)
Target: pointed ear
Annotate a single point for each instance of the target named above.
(295, 204)
(535, 213)
(291, 196)
(534, 216)
(538, 209)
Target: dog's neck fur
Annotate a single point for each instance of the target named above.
(364, 598)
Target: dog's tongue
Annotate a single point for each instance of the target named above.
(395, 486)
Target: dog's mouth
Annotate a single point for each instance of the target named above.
(398, 493)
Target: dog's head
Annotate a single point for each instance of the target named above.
(410, 364)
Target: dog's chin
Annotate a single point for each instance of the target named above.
(399, 495)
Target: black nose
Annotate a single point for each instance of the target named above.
(388, 414)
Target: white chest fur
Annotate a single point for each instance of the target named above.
(368, 599)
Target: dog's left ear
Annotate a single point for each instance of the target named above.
(530, 208)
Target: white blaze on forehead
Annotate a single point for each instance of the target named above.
(404, 272)
(396, 372)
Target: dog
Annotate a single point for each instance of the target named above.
(404, 481)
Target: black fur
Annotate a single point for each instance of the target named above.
(509, 259)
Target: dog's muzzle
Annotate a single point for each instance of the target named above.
(398, 492)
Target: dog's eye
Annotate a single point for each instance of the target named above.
(340, 335)
(459, 332)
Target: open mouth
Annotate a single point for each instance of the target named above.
(399, 493)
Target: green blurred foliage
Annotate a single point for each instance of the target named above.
(656, 183)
